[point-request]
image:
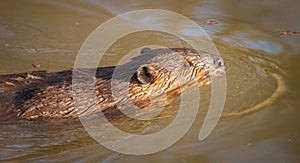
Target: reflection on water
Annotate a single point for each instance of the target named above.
(258, 62)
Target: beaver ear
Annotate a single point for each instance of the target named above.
(143, 75)
(145, 50)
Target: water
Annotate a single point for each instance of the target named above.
(260, 120)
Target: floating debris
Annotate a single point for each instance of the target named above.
(35, 65)
(211, 22)
(9, 83)
(284, 33)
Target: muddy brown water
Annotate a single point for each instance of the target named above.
(260, 121)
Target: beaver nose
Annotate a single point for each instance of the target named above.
(218, 62)
(219, 67)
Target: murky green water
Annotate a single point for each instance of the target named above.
(261, 117)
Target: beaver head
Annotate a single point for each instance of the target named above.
(160, 71)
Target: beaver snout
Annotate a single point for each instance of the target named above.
(218, 68)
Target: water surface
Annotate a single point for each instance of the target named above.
(261, 117)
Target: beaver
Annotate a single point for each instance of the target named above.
(49, 95)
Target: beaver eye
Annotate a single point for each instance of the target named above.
(186, 64)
